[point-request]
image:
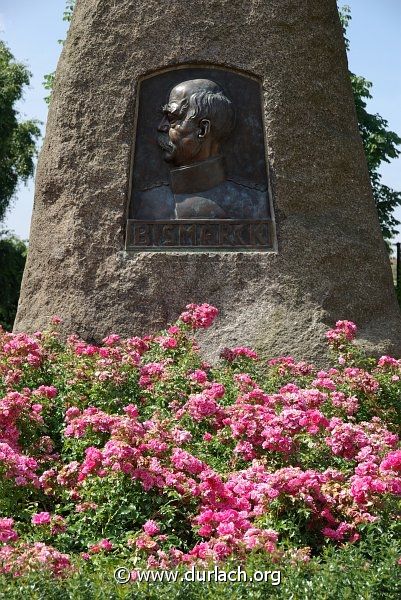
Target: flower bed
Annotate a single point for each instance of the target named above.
(139, 453)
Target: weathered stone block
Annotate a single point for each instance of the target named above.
(330, 261)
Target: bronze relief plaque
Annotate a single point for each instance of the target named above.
(199, 176)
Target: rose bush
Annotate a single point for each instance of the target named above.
(137, 450)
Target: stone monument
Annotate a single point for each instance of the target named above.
(207, 151)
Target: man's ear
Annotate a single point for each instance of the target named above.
(204, 128)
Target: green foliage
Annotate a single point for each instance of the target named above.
(17, 139)
(12, 262)
(367, 572)
(48, 85)
(380, 145)
(49, 79)
(69, 8)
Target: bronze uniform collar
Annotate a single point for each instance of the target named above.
(198, 177)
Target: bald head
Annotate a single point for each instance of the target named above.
(197, 117)
(205, 99)
(194, 86)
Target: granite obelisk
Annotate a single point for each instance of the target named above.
(318, 255)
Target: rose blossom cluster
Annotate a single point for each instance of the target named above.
(15, 408)
(231, 354)
(152, 372)
(91, 418)
(343, 331)
(230, 451)
(204, 405)
(199, 316)
(7, 533)
(29, 557)
(20, 350)
(286, 365)
(18, 467)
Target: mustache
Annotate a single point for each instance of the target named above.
(164, 142)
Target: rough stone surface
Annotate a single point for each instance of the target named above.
(331, 262)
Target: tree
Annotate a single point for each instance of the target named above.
(49, 79)
(17, 139)
(17, 154)
(380, 144)
(12, 262)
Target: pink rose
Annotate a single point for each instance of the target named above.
(151, 527)
(42, 518)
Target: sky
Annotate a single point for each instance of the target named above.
(32, 28)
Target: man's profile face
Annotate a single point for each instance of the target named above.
(180, 137)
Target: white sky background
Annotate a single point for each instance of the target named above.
(31, 29)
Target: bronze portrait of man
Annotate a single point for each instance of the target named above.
(196, 120)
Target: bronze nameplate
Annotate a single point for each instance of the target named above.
(213, 233)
